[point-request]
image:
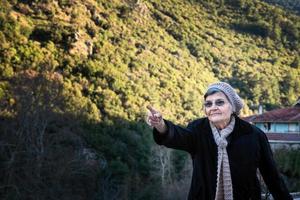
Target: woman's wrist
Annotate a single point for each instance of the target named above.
(162, 127)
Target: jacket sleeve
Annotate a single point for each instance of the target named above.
(270, 172)
(177, 137)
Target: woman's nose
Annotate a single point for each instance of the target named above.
(214, 107)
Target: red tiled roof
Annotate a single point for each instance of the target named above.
(283, 136)
(291, 114)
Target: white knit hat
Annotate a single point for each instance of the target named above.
(234, 99)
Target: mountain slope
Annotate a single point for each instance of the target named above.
(160, 49)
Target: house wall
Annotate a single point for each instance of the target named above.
(282, 135)
(279, 127)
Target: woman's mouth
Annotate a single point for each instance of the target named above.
(214, 114)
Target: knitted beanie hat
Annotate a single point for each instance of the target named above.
(234, 99)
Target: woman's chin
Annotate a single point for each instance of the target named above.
(217, 120)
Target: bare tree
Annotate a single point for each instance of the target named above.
(172, 187)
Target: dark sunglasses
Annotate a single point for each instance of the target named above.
(218, 102)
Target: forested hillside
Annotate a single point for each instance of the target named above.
(76, 76)
(293, 5)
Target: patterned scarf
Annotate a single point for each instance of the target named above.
(224, 184)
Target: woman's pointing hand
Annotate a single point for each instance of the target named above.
(155, 119)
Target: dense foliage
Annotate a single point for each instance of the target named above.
(288, 162)
(76, 75)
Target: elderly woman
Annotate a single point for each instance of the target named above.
(226, 150)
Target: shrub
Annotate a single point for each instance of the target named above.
(289, 164)
(256, 28)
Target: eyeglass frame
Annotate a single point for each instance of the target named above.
(217, 102)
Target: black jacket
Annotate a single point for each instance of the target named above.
(248, 150)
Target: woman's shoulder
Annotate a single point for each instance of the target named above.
(200, 122)
(250, 128)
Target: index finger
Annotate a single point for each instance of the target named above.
(151, 109)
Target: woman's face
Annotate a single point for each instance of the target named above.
(217, 108)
